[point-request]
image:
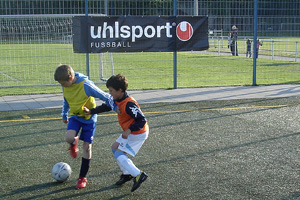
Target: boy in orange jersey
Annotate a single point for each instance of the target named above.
(134, 125)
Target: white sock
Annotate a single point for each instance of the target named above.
(125, 172)
(128, 165)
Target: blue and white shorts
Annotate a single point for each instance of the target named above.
(133, 143)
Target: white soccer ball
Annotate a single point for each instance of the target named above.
(61, 171)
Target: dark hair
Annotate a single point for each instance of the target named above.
(117, 82)
(63, 73)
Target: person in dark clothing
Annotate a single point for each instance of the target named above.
(248, 53)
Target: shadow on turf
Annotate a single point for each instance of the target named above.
(34, 188)
(111, 187)
(291, 197)
(226, 148)
(38, 188)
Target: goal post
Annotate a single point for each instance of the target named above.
(31, 46)
(106, 66)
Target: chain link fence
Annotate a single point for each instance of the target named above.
(36, 36)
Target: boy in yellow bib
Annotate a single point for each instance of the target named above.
(79, 92)
(134, 125)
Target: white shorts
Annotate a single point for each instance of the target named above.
(133, 143)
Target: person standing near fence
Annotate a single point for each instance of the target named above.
(248, 53)
(234, 40)
(258, 44)
(229, 38)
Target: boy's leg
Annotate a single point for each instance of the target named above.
(124, 171)
(85, 165)
(125, 176)
(130, 146)
(87, 136)
(87, 150)
(126, 163)
(73, 141)
(71, 136)
(139, 176)
(121, 157)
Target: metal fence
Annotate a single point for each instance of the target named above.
(36, 36)
(275, 17)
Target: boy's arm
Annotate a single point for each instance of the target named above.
(65, 110)
(133, 110)
(100, 109)
(92, 90)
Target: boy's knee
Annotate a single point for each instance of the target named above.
(87, 150)
(69, 139)
(70, 135)
(87, 147)
(115, 145)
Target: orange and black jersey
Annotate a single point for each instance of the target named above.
(131, 116)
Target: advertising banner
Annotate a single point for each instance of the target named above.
(93, 34)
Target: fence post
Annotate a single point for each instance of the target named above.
(87, 57)
(272, 47)
(195, 7)
(219, 50)
(296, 51)
(254, 43)
(175, 53)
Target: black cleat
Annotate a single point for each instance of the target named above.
(137, 181)
(123, 179)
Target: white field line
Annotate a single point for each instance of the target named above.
(6, 75)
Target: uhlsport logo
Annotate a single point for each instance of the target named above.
(184, 31)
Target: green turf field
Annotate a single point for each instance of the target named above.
(27, 67)
(194, 70)
(237, 149)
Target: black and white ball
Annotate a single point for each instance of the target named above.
(61, 171)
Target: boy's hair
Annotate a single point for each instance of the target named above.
(63, 73)
(117, 82)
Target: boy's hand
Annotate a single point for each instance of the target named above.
(126, 133)
(86, 110)
(65, 121)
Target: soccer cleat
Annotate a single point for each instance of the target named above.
(137, 181)
(123, 179)
(74, 148)
(82, 181)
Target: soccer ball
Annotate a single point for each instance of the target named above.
(61, 171)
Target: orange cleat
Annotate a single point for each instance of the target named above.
(74, 148)
(82, 181)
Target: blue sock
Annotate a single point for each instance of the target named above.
(118, 153)
(113, 150)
